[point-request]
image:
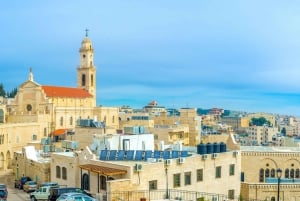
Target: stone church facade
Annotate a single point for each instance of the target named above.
(39, 111)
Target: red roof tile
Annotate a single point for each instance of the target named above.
(59, 132)
(54, 91)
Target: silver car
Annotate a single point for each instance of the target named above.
(75, 197)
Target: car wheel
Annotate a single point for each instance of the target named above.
(33, 198)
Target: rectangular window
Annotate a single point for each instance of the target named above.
(176, 180)
(218, 172)
(231, 169)
(200, 175)
(153, 185)
(231, 194)
(187, 178)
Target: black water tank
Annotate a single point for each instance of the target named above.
(201, 149)
(222, 147)
(210, 148)
(216, 147)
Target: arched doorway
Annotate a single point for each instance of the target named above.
(1, 161)
(8, 160)
(85, 182)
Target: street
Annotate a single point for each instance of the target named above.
(7, 177)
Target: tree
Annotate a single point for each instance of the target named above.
(2, 91)
(259, 121)
(13, 93)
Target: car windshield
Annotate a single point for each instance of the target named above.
(2, 186)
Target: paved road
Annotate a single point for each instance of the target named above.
(14, 194)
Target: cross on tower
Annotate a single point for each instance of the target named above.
(86, 32)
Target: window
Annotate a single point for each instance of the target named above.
(102, 182)
(92, 80)
(57, 171)
(85, 182)
(273, 172)
(231, 169)
(187, 178)
(71, 121)
(83, 80)
(261, 175)
(267, 173)
(153, 185)
(64, 173)
(218, 171)
(34, 137)
(297, 173)
(61, 121)
(200, 175)
(113, 119)
(45, 132)
(176, 180)
(287, 173)
(231, 194)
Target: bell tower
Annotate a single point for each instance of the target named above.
(86, 71)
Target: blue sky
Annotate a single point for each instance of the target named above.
(238, 55)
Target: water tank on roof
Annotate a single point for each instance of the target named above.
(201, 149)
(216, 147)
(222, 147)
(210, 148)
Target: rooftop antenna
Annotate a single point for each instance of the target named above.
(86, 32)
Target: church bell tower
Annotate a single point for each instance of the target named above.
(86, 72)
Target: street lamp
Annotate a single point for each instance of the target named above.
(167, 183)
(279, 172)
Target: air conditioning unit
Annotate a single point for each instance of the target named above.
(181, 160)
(235, 153)
(215, 155)
(204, 156)
(138, 167)
(168, 161)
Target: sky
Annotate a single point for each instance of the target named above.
(236, 55)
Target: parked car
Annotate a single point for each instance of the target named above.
(56, 192)
(3, 195)
(20, 182)
(75, 197)
(30, 186)
(40, 194)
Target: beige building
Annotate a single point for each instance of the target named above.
(259, 173)
(238, 124)
(261, 135)
(114, 179)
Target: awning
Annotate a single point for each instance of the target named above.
(102, 170)
(59, 132)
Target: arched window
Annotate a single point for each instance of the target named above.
(261, 175)
(57, 171)
(273, 173)
(272, 198)
(113, 119)
(292, 173)
(287, 173)
(83, 80)
(267, 173)
(1, 116)
(102, 182)
(61, 121)
(64, 173)
(297, 173)
(104, 119)
(85, 182)
(92, 80)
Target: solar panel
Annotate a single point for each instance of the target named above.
(175, 154)
(112, 155)
(166, 155)
(129, 154)
(157, 154)
(184, 154)
(103, 155)
(121, 155)
(148, 154)
(138, 155)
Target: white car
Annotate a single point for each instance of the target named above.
(75, 197)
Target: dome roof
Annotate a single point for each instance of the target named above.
(86, 44)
